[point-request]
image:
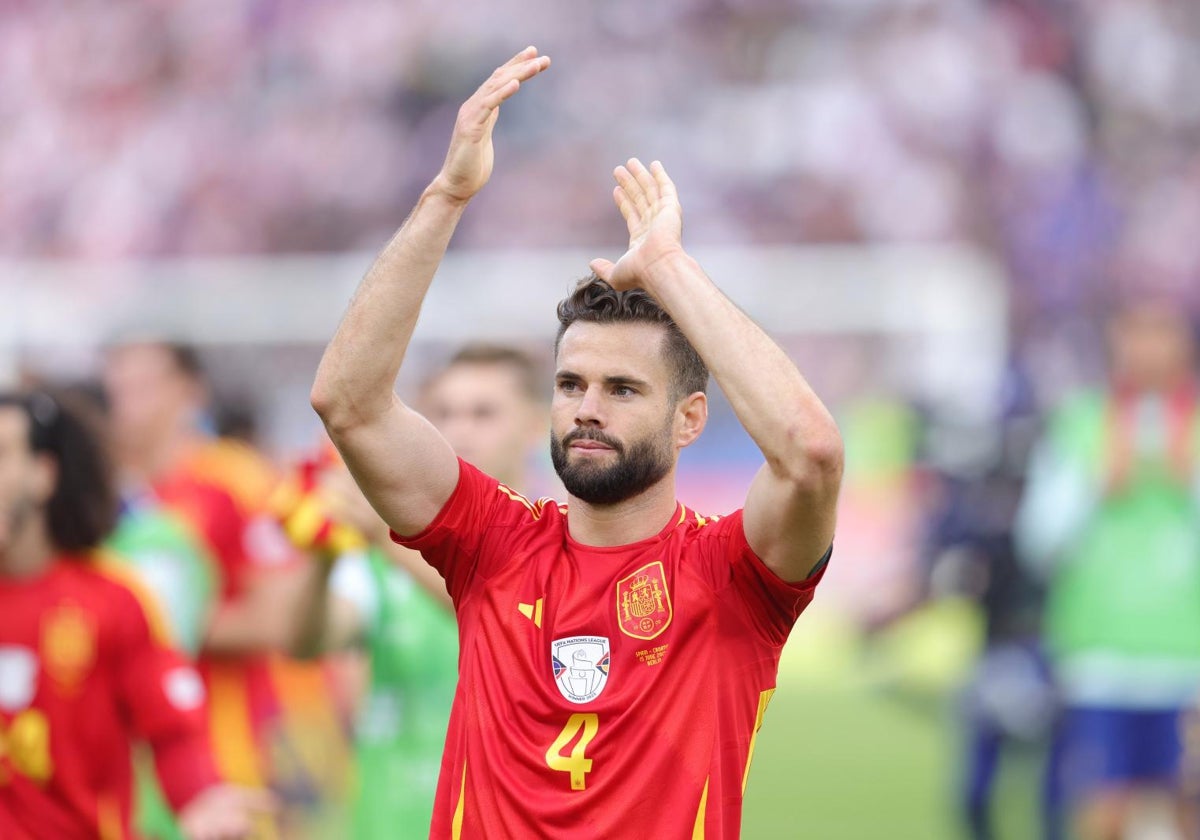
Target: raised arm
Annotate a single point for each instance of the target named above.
(405, 468)
(791, 506)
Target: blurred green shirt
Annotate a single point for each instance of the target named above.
(412, 641)
(1123, 569)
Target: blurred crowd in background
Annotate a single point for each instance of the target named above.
(1060, 136)
(1062, 133)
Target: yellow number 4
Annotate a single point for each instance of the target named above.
(575, 764)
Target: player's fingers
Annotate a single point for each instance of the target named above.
(522, 71)
(644, 178)
(524, 55)
(629, 210)
(491, 101)
(501, 87)
(528, 69)
(602, 269)
(666, 187)
(630, 187)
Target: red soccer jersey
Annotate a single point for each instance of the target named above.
(84, 672)
(603, 692)
(272, 719)
(215, 490)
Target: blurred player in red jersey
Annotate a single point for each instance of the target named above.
(617, 653)
(272, 719)
(85, 666)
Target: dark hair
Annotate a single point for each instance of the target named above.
(185, 358)
(83, 508)
(528, 372)
(596, 302)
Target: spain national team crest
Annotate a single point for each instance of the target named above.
(580, 666)
(643, 602)
(68, 645)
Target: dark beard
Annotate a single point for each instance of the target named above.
(634, 471)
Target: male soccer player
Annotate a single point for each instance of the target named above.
(85, 668)
(261, 704)
(617, 652)
(386, 599)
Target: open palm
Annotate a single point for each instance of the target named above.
(649, 204)
(468, 164)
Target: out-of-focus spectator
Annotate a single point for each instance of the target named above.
(272, 721)
(1010, 703)
(1062, 132)
(1111, 519)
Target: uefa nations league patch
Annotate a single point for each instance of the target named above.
(580, 666)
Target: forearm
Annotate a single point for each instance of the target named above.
(310, 637)
(357, 374)
(770, 397)
(263, 618)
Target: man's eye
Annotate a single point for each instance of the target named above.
(567, 386)
(623, 391)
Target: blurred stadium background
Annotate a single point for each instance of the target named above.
(929, 202)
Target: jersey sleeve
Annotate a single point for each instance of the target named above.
(164, 699)
(460, 543)
(763, 600)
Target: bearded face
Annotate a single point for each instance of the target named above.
(598, 469)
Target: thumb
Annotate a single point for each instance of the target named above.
(602, 268)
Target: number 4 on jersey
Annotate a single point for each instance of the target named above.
(576, 763)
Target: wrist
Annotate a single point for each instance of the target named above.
(668, 268)
(440, 192)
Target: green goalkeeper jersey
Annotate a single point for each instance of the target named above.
(1123, 612)
(401, 730)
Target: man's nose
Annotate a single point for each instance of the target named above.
(590, 411)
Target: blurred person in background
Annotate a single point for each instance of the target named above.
(1009, 704)
(173, 564)
(637, 634)
(385, 599)
(1111, 519)
(86, 666)
(273, 720)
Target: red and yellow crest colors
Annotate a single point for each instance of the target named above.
(68, 645)
(643, 602)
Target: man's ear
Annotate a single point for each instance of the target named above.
(691, 416)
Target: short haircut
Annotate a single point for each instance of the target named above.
(527, 371)
(83, 509)
(184, 357)
(596, 302)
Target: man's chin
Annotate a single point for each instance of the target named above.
(585, 456)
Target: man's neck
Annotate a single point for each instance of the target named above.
(146, 464)
(28, 555)
(639, 518)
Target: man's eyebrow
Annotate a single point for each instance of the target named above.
(611, 380)
(632, 381)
